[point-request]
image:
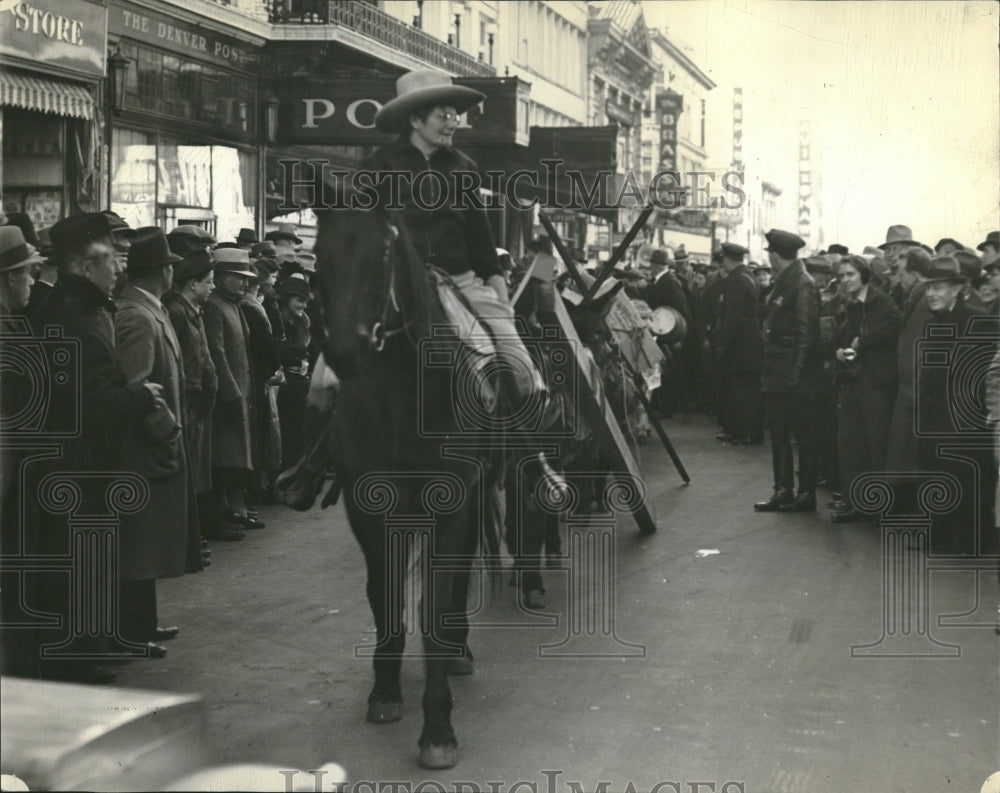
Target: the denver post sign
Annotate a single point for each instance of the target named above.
(343, 113)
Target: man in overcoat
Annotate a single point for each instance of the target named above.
(193, 283)
(228, 335)
(162, 540)
(740, 351)
(91, 420)
(791, 375)
(951, 418)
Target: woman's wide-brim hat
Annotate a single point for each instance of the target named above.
(420, 89)
(14, 251)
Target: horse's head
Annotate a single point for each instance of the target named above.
(371, 286)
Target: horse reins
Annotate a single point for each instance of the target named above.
(379, 334)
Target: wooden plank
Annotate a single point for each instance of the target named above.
(602, 420)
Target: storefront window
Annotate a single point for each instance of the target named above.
(234, 190)
(133, 177)
(34, 164)
(166, 182)
(181, 89)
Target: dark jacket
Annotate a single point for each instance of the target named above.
(200, 380)
(667, 291)
(878, 322)
(791, 333)
(739, 345)
(941, 408)
(457, 237)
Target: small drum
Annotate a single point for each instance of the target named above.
(668, 325)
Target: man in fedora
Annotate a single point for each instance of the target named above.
(740, 351)
(103, 407)
(284, 238)
(947, 246)
(990, 247)
(944, 353)
(17, 260)
(665, 291)
(453, 233)
(193, 282)
(163, 539)
(792, 374)
(246, 239)
(228, 336)
(897, 239)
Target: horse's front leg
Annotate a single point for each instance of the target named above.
(385, 596)
(438, 745)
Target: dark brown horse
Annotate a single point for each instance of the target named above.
(409, 492)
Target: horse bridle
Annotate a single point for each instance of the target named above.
(379, 332)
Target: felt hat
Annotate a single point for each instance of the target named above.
(190, 230)
(681, 254)
(295, 285)
(947, 241)
(969, 262)
(307, 259)
(993, 239)
(838, 248)
(944, 268)
(15, 252)
(149, 250)
(246, 237)
(74, 233)
(898, 235)
(195, 264)
(419, 89)
(917, 260)
(660, 257)
(267, 261)
(822, 265)
(285, 231)
(233, 260)
(261, 249)
(784, 243)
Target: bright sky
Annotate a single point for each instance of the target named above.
(904, 100)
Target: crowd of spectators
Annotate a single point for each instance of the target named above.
(191, 362)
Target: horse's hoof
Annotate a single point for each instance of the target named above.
(384, 712)
(460, 666)
(436, 757)
(534, 599)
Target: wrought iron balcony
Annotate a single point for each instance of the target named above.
(367, 19)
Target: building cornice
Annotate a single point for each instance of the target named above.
(681, 58)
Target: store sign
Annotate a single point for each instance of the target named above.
(70, 35)
(669, 105)
(195, 41)
(342, 112)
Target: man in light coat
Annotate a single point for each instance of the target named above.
(162, 540)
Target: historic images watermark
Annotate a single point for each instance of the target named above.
(60, 523)
(937, 519)
(320, 184)
(299, 781)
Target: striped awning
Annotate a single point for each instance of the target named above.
(48, 96)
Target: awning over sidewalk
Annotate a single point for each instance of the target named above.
(45, 95)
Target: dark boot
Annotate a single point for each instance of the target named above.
(803, 502)
(780, 497)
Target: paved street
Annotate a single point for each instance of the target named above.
(741, 667)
